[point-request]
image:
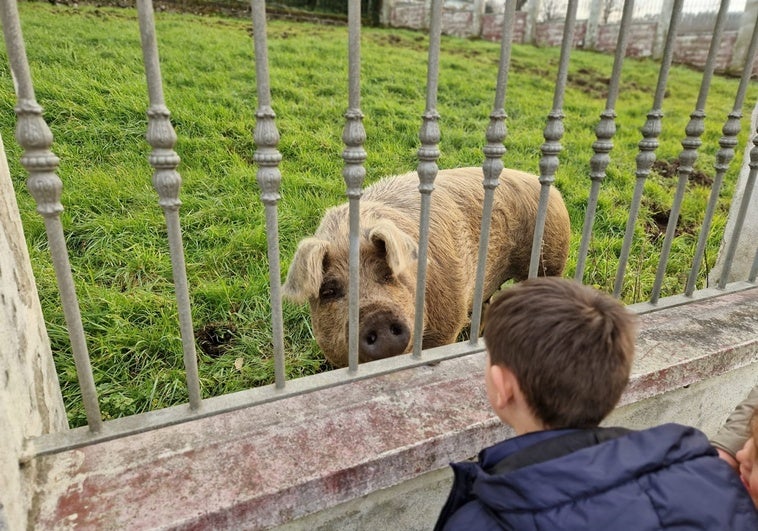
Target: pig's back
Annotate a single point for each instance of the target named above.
(463, 186)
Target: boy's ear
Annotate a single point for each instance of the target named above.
(504, 384)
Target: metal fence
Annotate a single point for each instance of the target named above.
(36, 140)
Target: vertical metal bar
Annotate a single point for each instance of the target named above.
(648, 145)
(604, 131)
(34, 136)
(269, 179)
(166, 181)
(747, 194)
(724, 156)
(428, 153)
(354, 135)
(553, 133)
(493, 164)
(754, 269)
(688, 156)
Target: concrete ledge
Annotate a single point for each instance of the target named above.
(369, 446)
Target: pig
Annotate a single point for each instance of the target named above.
(389, 234)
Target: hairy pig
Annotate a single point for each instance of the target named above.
(389, 233)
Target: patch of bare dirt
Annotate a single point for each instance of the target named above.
(670, 170)
(215, 339)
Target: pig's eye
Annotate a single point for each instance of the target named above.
(329, 291)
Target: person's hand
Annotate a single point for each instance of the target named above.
(748, 469)
(730, 460)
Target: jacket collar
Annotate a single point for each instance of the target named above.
(489, 457)
(588, 470)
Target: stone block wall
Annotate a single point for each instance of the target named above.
(640, 42)
(466, 19)
(692, 49)
(551, 33)
(30, 399)
(492, 27)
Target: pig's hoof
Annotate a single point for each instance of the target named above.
(383, 335)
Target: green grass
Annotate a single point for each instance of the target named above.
(87, 69)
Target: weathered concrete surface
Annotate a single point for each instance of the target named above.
(414, 505)
(30, 399)
(375, 449)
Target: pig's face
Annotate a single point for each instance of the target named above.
(319, 273)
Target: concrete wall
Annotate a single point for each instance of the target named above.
(374, 452)
(414, 505)
(30, 399)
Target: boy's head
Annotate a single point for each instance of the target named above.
(748, 459)
(569, 347)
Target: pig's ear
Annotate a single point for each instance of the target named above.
(306, 271)
(401, 248)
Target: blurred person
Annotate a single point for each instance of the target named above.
(736, 430)
(747, 459)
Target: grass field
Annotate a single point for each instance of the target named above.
(87, 68)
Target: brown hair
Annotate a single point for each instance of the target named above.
(570, 346)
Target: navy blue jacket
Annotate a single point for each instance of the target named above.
(667, 477)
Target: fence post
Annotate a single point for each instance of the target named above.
(747, 25)
(385, 13)
(745, 251)
(476, 18)
(593, 21)
(662, 28)
(30, 398)
(530, 30)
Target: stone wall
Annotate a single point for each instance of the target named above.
(465, 19)
(492, 27)
(375, 451)
(639, 45)
(30, 399)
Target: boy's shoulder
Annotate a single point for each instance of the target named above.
(629, 472)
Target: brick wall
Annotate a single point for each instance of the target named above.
(640, 42)
(411, 15)
(492, 27)
(460, 19)
(551, 33)
(458, 22)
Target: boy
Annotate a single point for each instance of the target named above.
(559, 356)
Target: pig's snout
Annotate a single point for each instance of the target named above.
(382, 335)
